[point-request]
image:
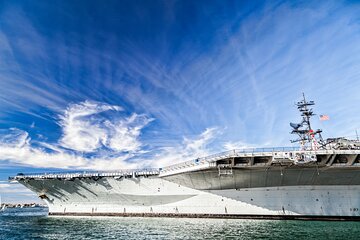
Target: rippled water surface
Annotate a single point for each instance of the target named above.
(35, 224)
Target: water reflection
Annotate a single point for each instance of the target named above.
(38, 225)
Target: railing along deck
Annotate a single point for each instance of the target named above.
(79, 174)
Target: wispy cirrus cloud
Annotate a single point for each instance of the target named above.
(190, 148)
(243, 78)
(240, 82)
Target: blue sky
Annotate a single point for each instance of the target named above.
(124, 84)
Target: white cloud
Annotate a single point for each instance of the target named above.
(82, 130)
(199, 144)
(12, 188)
(244, 145)
(17, 193)
(13, 138)
(112, 163)
(190, 148)
(85, 130)
(23, 153)
(238, 145)
(123, 134)
(15, 147)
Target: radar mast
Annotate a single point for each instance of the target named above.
(308, 138)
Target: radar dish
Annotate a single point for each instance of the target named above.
(295, 125)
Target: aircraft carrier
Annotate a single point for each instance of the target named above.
(319, 179)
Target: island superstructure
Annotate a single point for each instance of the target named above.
(319, 179)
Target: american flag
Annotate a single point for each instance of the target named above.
(324, 117)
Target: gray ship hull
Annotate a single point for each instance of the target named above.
(324, 190)
(158, 197)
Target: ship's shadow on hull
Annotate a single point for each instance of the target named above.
(102, 190)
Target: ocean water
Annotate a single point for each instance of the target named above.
(33, 223)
